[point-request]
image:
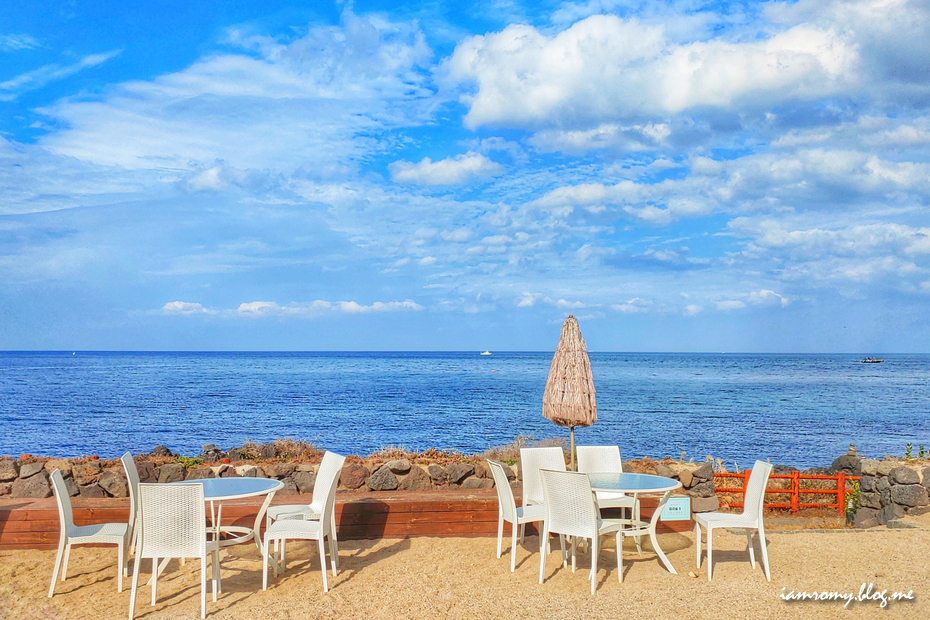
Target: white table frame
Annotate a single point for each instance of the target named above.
(665, 489)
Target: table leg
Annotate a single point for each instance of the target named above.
(652, 533)
(256, 538)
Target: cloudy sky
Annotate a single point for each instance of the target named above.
(680, 176)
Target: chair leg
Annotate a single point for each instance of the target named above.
(120, 551)
(697, 544)
(215, 578)
(637, 539)
(765, 554)
(574, 548)
(334, 540)
(500, 533)
(333, 552)
(135, 586)
(154, 578)
(58, 557)
(203, 587)
(543, 545)
(710, 553)
(265, 564)
(620, 556)
(64, 564)
(593, 577)
(513, 548)
(752, 552)
(522, 532)
(564, 553)
(323, 563)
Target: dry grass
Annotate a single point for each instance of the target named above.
(288, 448)
(510, 452)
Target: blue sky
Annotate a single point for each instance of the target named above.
(680, 176)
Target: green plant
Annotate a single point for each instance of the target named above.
(188, 461)
(852, 501)
(907, 452)
(510, 462)
(921, 452)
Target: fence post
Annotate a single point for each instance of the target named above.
(795, 492)
(841, 492)
(746, 473)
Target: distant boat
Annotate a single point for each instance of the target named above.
(485, 353)
(872, 360)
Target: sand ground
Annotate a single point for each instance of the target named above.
(461, 578)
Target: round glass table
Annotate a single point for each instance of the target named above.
(635, 485)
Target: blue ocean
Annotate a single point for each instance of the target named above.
(801, 410)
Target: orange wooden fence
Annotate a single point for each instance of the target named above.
(795, 491)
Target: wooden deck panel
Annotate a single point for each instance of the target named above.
(33, 523)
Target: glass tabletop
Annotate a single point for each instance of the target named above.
(631, 483)
(232, 488)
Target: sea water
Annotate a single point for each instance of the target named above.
(801, 410)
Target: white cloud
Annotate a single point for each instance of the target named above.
(604, 68)
(633, 306)
(185, 307)
(321, 308)
(765, 297)
(692, 309)
(731, 304)
(209, 179)
(428, 260)
(17, 42)
(37, 78)
(266, 106)
(450, 171)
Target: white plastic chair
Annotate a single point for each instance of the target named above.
(330, 469)
(508, 511)
(571, 510)
(592, 459)
(173, 524)
(532, 460)
(71, 534)
(750, 519)
(132, 477)
(302, 529)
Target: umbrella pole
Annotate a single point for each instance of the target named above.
(573, 447)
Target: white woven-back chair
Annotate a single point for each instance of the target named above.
(532, 460)
(132, 477)
(304, 529)
(97, 534)
(571, 510)
(507, 510)
(592, 459)
(173, 524)
(750, 519)
(330, 469)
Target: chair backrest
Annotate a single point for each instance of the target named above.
(329, 504)
(65, 516)
(531, 461)
(570, 504)
(755, 489)
(172, 521)
(132, 475)
(599, 458)
(330, 470)
(505, 501)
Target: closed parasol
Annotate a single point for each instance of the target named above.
(569, 396)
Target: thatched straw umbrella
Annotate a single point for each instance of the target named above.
(569, 396)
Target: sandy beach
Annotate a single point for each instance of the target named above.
(461, 578)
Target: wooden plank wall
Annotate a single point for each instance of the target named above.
(33, 523)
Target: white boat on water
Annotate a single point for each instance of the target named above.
(485, 353)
